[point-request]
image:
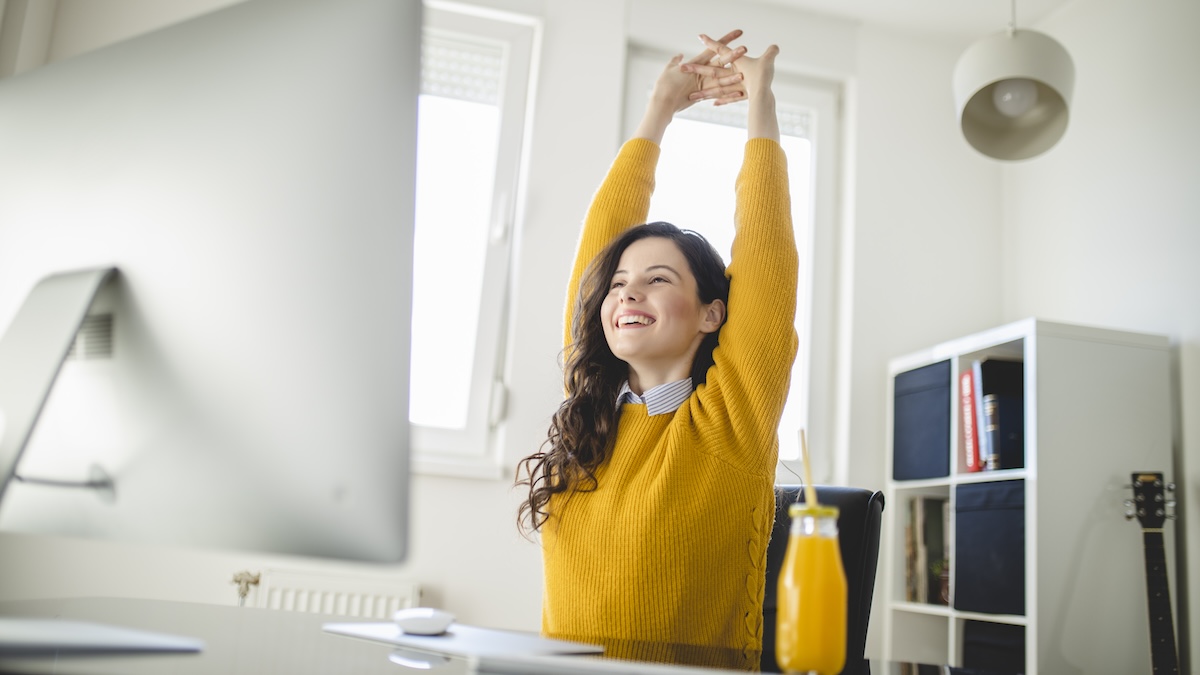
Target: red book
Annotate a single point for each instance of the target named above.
(967, 420)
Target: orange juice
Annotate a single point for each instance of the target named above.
(810, 634)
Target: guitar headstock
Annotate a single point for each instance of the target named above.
(1149, 503)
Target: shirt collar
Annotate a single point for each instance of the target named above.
(665, 398)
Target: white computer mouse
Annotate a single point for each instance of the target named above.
(423, 620)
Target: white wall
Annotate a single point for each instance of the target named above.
(1105, 228)
(924, 235)
(926, 228)
(937, 241)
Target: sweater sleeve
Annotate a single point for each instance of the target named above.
(622, 201)
(749, 381)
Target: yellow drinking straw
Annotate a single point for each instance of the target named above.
(810, 491)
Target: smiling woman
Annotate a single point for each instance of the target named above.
(665, 433)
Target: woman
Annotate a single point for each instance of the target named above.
(654, 493)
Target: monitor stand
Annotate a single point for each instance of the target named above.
(32, 351)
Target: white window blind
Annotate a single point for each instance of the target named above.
(461, 70)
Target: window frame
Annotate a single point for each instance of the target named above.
(818, 325)
(473, 451)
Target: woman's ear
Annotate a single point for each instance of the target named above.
(714, 316)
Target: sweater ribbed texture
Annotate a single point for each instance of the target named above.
(669, 551)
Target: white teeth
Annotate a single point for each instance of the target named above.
(632, 319)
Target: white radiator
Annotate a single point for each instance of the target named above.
(360, 596)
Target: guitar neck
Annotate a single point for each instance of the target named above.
(1163, 656)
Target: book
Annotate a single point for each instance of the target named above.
(944, 578)
(936, 543)
(980, 422)
(966, 409)
(915, 581)
(991, 431)
(927, 548)
(1002, 404)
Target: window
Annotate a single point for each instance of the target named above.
(474, 87)
(704, 146)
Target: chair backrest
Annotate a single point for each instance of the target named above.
(859, 515)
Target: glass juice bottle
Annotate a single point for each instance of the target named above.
(810, 634)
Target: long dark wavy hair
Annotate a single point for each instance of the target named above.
(582, 429)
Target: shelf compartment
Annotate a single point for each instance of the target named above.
(898, 531)
(988, 373)
(919, 637)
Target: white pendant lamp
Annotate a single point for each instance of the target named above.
(1013, 93)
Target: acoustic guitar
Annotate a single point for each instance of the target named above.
(1149, 505)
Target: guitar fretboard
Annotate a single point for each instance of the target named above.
(1163, 657)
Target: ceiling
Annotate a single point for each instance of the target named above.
(950, 19)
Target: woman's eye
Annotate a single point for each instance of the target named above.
(658, 280)
(616, 284)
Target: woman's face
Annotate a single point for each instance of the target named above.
(653, 318)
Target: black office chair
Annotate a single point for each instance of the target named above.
(859, 515)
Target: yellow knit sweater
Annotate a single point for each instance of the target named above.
(665, 559)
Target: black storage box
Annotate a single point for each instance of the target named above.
(989, 572)
(921, 420)
(993, 647)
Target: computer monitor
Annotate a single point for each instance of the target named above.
(244, 183)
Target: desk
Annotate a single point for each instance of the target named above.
(252, 641)
(239, 640)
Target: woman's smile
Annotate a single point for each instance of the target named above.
(633, 319)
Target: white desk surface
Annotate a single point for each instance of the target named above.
(252, 641)
(238, 640)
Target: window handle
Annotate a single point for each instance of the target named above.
(498, 406)
(501, 218)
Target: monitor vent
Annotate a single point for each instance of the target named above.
(94, 339)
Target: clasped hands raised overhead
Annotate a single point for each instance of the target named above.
(721, 73)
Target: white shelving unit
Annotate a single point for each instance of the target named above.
(1097, 408)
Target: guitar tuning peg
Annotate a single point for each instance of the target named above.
(1170, 487)
(1171, 503)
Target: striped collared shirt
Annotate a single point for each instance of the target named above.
(665, 398)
